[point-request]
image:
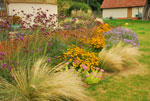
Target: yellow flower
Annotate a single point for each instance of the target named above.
(78, 56)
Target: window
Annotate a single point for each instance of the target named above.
(2, 8)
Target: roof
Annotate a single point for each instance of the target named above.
(34, 1)
(122, 3)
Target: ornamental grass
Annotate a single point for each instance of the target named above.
(42, 83)
(119, 57)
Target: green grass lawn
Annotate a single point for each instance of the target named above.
(133, 87)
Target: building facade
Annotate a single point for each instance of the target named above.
(122, 8)
(7, 7)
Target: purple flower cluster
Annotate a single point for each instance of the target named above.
(121, 34)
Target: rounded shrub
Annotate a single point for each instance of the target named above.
(78, 6)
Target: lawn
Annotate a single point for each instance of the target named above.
(133, 84)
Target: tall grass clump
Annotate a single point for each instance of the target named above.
(41, 83)
(119, 57)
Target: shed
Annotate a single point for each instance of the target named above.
(122, 8)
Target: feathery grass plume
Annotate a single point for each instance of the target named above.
(119, 57)
(42, 83)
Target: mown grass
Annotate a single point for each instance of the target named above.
(133, 87)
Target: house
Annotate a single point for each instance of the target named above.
(7, 7)
(122, 9)
(146, 11)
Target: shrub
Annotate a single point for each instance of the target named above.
(78, 6)
(42, 83)
(118, 34)
(119, 57)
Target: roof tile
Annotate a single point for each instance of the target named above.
(122, 3)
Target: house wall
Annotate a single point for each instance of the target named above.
(135, 11)
(27, 8)
(115, 13)
(120, 12)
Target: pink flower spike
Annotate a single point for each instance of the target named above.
(71, 67)
(67, 63)
(87, 75)
(97, 68)
(95, 76)
(102, 70)
(84, 67)
(48, 60)
(92, 73)
(71, 70)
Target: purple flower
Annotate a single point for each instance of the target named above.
(69, 56)
(12, 62)
(4, 65)
(22, 38)
(48, 60)
(2, 53)
(22, 34)
(50, 43)
(121, 34)
(9, 67)
(56, 57)
(37, 49)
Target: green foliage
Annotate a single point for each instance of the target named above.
(119, 57)
(95, 5)
(78, 6)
